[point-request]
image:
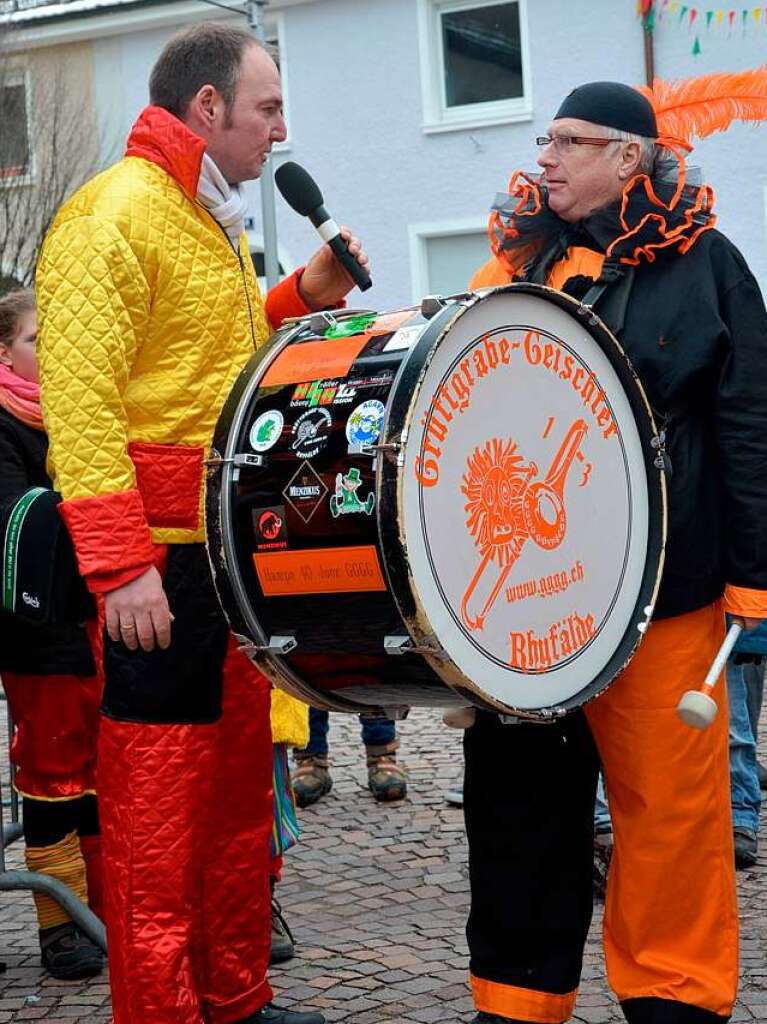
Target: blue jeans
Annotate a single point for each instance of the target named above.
(602, 821)
(744, 696)
(376, 732)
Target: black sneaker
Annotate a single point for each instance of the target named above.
(69, 955)
(283, 943)
(745, 846)
(762, 772)
(272, 1014)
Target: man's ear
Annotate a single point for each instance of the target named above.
(204, 107)
(631, 156)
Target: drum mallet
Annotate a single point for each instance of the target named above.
(697, 708)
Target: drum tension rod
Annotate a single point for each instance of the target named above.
(432, 304)
(585, 310)
(280, 645)
(398, 645)
(243, 459)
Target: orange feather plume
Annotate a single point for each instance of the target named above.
(697, 107)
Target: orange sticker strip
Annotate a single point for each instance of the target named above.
(387, 323)
(319, 571)
(314, 360)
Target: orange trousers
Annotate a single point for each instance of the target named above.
(670, 926)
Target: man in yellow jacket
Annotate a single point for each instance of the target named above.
(150, 307)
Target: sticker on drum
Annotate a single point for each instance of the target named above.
(266, 431)
(311, 432)
(364, 423)
(525, 502)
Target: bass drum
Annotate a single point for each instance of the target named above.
(462, 503)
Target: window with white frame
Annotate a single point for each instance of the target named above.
(14, 117)
(444, 255)
(474, 64)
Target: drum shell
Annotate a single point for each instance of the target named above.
(339, 662)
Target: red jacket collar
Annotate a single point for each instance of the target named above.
(162, 139)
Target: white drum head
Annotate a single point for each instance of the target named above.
(524, 498)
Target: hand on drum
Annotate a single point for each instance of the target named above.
(324, 282)
(138, 613)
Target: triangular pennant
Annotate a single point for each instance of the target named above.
(693, 15)
(696, 47)
(709, 18)
(683, 12)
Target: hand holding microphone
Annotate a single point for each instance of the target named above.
(325, 280)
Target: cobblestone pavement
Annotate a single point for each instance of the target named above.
(377, 897)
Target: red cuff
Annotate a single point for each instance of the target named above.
(110, 534)
(104, 582)
(285, 300)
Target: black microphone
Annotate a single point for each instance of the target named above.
(301, 191)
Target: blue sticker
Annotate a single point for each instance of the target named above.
(365, 423)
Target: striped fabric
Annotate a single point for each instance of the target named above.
(285, 830)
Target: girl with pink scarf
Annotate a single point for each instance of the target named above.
(49, 678)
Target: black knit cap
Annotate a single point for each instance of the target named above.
(613, 105)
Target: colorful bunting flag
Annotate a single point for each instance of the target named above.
(651, 11)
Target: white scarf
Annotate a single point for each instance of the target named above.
(224, 202)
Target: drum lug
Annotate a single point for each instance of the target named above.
(390, 448)
(661, 461)
(399, 644)
(397, 713)
(243, 459)
(586, 310)
(279, 645)
(431, 305)
(320, 322)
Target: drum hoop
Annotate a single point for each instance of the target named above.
(391, 529)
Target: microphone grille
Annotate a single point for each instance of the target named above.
(298, 188)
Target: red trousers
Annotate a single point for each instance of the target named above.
(186, 816)
(54, 742)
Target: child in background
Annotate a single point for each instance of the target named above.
(49, 678)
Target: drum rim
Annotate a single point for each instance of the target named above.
(391, 526)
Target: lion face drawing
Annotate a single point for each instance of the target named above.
(494, 484)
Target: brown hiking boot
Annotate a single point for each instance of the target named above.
(386, 779)
(311, 779)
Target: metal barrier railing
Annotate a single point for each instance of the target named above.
(15, 879)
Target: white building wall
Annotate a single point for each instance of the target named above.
(356, 118)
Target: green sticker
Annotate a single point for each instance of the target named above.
(354, 325)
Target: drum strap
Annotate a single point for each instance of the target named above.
(613, 291)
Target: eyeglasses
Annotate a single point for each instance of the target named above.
(566, 143)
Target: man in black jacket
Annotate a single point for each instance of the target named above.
(606, 223)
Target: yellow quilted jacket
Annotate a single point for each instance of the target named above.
(147, 316)
(290, 720)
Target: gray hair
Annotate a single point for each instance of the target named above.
(648, 149)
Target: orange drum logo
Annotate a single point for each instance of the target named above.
(505, 506)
